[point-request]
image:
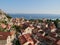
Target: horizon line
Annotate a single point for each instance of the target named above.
(33, 13)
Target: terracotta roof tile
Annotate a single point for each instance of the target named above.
(4, 35)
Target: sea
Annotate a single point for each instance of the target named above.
(36, 16)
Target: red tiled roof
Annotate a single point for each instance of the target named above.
(4, 35)
(22, 39)
(25, 38)
(58, 42)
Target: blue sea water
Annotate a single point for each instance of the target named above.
(36, 16)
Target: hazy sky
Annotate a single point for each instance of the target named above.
(31, 6)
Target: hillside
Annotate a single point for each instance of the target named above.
(3, 15)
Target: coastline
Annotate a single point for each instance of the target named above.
(36, 16)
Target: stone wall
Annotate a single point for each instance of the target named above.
(3, 42)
